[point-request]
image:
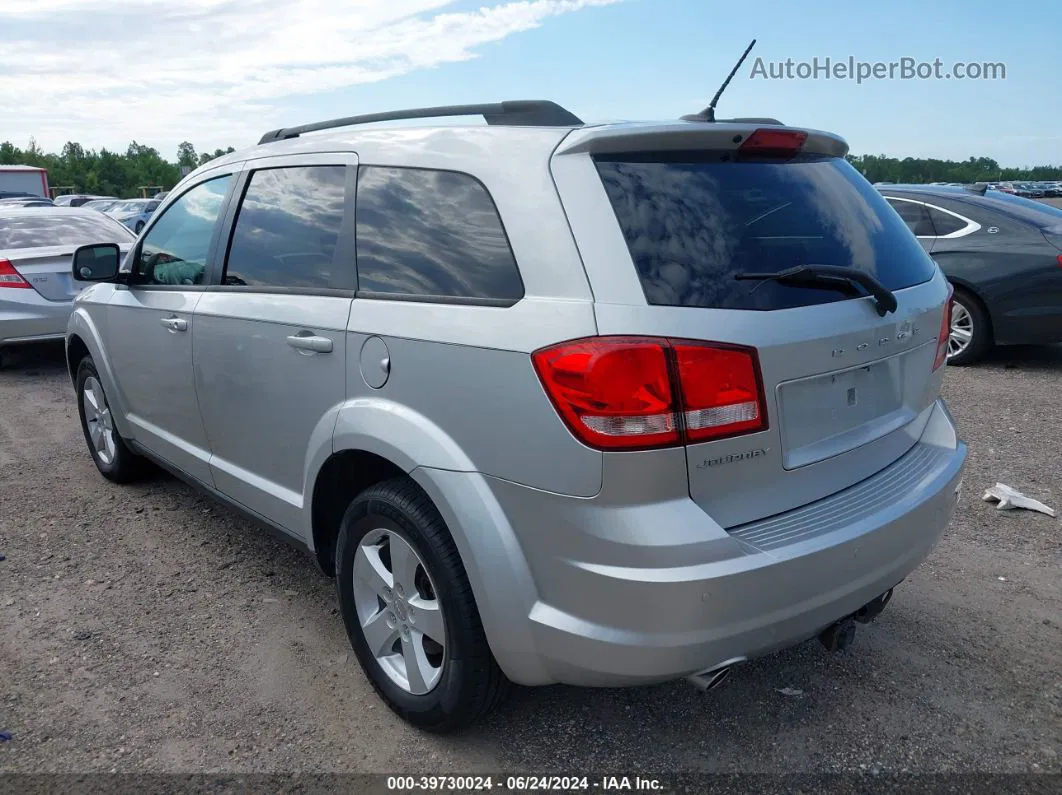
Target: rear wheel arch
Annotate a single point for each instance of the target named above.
(342, 477)
(970, 293)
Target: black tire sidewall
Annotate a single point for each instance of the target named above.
(435, 708)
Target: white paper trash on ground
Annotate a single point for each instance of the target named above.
(1009, 498)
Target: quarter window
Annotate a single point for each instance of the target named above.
(431, 234)
(288, 228)
(945, 223)
(916, 216)
(175, 250)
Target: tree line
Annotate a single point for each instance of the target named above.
(881, 168)
(141, 168)
(138, 170)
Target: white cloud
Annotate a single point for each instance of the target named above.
(217, 71)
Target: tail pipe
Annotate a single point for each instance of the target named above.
(711, 678)
(839, 635)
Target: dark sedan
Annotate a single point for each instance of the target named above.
(1003, 254)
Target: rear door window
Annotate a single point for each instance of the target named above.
(429, 235)
(287, 230)
(693, 221)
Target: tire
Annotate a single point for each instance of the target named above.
(969, 315)
(113, 458)
(467, 681)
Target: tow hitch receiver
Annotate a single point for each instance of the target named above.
(873, 608)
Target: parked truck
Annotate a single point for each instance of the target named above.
(16, 180)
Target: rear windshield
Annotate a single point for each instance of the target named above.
(51, 227)
(1034, 212)
(692, 222)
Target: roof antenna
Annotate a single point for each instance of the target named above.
(708, 114)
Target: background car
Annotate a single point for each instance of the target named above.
(36, 285)
(134, 213)
(1003, 254)
(27, 201)
(101, 205)
(77, 199)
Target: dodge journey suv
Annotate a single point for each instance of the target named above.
(553, 402)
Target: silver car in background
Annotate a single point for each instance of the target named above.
(133, 213)
(37, 287)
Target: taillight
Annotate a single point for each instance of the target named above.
(1060, 260)
(721, 391)
(9, 277)
(945, 332)
(773, 143)
(626, 393)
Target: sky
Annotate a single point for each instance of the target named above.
(219, 73)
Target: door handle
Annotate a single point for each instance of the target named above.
(175, 323)
(310, 343)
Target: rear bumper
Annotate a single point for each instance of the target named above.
(27, 317)
(636, 586)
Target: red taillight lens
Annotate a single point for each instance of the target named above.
(1060, 260)
(614, 392)
(643, 392)
(945, 332)
(773, 143)
(9, 277)
(721, 391)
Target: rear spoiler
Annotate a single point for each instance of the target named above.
(679, 136)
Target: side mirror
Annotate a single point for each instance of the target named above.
(97, 263)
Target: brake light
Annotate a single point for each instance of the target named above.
(721, 391)
(945, 332)
(773, 143)
(626, 393)
(1060, 260)
(9, 277)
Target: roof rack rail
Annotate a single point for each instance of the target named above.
(521, 112)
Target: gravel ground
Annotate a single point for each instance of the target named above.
(144, 629)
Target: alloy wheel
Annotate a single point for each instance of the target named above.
(399, 611)
(99, 421)
(962, 329)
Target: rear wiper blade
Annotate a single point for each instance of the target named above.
(830, 276)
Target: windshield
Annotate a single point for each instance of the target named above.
(693, 222)
(58, 228)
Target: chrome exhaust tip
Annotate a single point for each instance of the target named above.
(711, 678)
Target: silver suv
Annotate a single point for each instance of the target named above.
(553, 402)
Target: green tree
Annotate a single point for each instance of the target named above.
(186, 155)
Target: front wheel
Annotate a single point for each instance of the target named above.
(112, 457)
(970, 337)
(409, 610)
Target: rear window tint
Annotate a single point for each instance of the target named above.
(58, 228)
(692, 222)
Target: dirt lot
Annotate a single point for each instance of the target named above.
(145, 629)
